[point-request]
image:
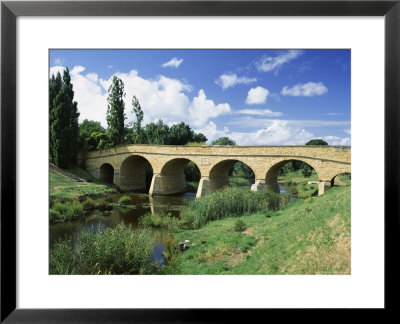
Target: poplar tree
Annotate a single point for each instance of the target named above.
(137, 125)
(63, 123)
(116, 112)
(55, 84)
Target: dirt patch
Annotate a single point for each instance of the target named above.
(249, 231)
(60, 187)
(236, 256)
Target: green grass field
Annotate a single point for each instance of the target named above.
(62, 187)
(297, 176)
(306, 237)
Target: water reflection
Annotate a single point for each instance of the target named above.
(107, 215)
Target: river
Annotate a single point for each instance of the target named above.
(109, 215)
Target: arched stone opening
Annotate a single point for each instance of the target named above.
(228, 172)
(341, 179)
(172, 179)
(107, 173)
(303, 169)
(135, 174)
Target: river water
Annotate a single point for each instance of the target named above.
(109, 215)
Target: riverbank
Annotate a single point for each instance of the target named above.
(70, 191)
(305, 237)
(80, 185)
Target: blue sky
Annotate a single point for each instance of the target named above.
(256, 97)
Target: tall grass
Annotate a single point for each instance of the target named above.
(160, 221)
(119, 250)
(66, 209)
(229, 202)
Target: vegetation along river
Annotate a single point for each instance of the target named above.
(107, 214)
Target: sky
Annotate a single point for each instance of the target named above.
(256, 97)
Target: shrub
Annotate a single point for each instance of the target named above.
(119, 250)
(65, 210)
(294, 191)
(228, 202)
(124, 200)
(240, 226)
(160, 221)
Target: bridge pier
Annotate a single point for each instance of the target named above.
(162, 185)
(259, 185)
(204, 187)
(323, 186)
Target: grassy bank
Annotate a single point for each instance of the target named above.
(306, 237)
(63, 187)
(120, 250)
(229, 202)
(67, 194)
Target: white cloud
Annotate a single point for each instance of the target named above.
(309, 89)
(260, 112)
(336, 140)
(77, 69)
(161, 98)
(174, 62)
(226, 81)
(55, 69)
(257, 96)
(249, 121)
(203, 109)
(273, 63)
(211, 132)
(279, 132)
(92, 77)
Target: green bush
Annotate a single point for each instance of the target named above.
(119, 250)
(65, 210)
(124, 200)
(229, 202)
(168, 222)
(240, 226)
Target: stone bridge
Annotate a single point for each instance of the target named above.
(125, 166)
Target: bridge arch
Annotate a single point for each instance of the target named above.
(171, 179)
(107, 173)
(134, 173)
(271, 176)
(219, 173)
(337, 181)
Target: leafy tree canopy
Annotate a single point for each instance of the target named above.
(316, 142)
(224, 141)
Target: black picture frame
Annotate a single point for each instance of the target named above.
(10, 10)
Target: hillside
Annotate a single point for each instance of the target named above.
(306, 237)
(75, 183)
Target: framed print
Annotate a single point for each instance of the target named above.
(287, 96)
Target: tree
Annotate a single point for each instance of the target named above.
(179, 134)
(156, 133)
(198, 138)
(316, 142)
(55, 84)
(73, 117)
(63, 122)
(224, 141)
(116, 112)
(137, 110)
(86, 129)
(306, 170)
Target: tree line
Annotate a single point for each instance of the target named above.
(67, 137)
